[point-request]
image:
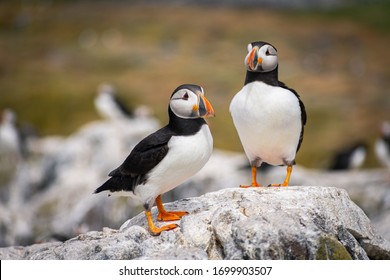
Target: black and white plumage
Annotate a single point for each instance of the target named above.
(14, 138)
(108, 104)
(382, 145)
(269, 117)
(348, 158)
(167, 157)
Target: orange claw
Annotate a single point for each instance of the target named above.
(254, 179)
(164, 215)
(157, 230)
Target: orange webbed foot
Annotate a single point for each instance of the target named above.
(254, 180)
(157, 230)
(164, 215)
(171, 216)
(286, 181)
(253, 185)
(278, 185)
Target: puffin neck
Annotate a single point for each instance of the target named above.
(182, 126)
(270, 78)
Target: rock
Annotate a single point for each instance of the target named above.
(263, 223)
(50, 195)
(368, 188)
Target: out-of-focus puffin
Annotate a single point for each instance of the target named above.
(167, 157)
(9, 133)
(108, 104)
(269, 116)
(351, 157)
(382, 145)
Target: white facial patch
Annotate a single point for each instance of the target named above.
(269, 58)
(183, 102)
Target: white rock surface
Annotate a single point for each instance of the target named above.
(265, 223)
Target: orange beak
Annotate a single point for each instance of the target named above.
(252, 60)
(205, 108)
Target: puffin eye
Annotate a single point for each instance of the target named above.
(270, 51)
(185, 96)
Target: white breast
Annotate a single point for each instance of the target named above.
(107, 108)
(358, 158)
(186, 156)
(268, 122)
(9, 138)
(382, 152)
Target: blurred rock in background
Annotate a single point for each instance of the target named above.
(50, 192)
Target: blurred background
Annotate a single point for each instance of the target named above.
(55, 54)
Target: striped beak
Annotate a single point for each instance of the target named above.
(204, 108)
(252, 60)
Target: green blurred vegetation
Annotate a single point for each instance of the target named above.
(372, 13)
(53, 56)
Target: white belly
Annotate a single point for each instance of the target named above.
(382, 152)
(268, 122)
(107, 107)
(186, 156)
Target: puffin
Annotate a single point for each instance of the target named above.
(167, 157)
(269, 116)
(382, 145)
(351, 157)
(9, 132)
(109, 105)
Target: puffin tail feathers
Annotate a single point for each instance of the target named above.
(116, 184)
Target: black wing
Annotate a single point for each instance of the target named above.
(303, 112)
(146, 154)
(144, 157)
(122, 106)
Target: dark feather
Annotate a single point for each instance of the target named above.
(270, 78)
(303, 112)
(342, 159)
(146, 154)
(144, 157)
(119, 183)
(119, 102)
